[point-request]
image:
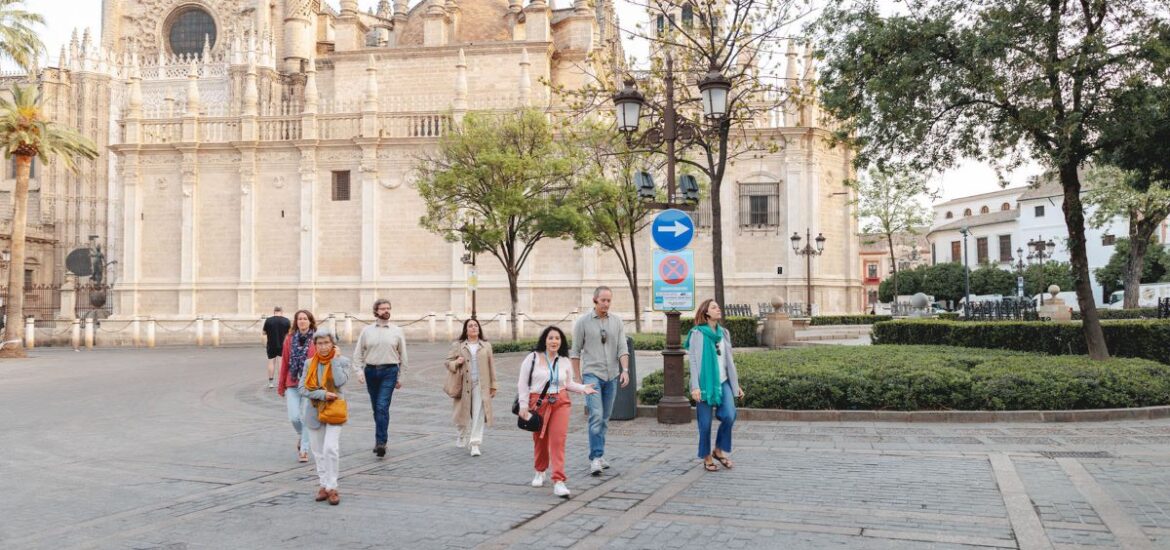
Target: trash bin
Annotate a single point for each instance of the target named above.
(625, 405)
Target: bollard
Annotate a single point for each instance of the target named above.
(75, 334)
(150, 333)
(135, 331)
(450, 326)
(89, 333)
(503, 326)
(30, 333)
(520, 325)
(431, 325)
(333, 324)
(348, 329)
(647, 320)
(215, 331)
(199, 331)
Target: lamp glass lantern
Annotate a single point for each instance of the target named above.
(714, 87)
(820, 243)
(796, 242)
(628, 107)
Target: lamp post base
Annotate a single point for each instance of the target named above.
(674, 407)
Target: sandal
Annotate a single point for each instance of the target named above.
(710, 466)
(726, 462)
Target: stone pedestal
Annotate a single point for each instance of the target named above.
(779, 330)
(68, 298)
(1054, 309)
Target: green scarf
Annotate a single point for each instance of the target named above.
(710, 385)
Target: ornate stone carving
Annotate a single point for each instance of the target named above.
(302, 8)
(148, 25)
(161, 184)
(278, 182)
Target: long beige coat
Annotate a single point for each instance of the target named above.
(487, 380)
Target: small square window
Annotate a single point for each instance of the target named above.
(341, 185)
(1040, 211)
(1108, 240)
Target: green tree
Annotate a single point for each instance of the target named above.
(944, 281)
(614, 213)
(1112, 276)
(907, 281)
(889, 203)
(25, 134)
(19, 39)
(1038, 278)
(501, 184)
(996, 80)
(993, 280)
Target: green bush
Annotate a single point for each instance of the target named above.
(646, 341)
(1134, 313)
(936, 378)
(828, 320)
(1124, 338)
(742, 329)
(949, 316)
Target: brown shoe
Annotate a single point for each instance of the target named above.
(334, 498)
(322, 494)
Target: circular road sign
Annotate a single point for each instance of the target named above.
(673, 270)
(672, 230)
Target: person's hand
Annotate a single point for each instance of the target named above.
(739, 394)
(589, 390)
(493, 393)
(330, 396)
(398, 385)
(696, 394)
(460, 360)
(624, 378)
(361, 378)
(525, 414)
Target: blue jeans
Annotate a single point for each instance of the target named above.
(726, 415)
(380, 383)
(600, 407)
(296, 403)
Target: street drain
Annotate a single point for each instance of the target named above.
(1075, 454)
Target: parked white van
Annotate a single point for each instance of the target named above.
(1148, 296)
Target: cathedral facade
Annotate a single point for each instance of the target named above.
(261, 152)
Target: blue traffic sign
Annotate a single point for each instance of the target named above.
(672, 230)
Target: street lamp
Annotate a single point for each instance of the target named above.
(665, 136)
(808, 252)
(468, 259)
(966, 275)
(1040, 251)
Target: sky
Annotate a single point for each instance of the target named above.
(62, 16)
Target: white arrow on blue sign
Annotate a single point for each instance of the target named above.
(672, 230)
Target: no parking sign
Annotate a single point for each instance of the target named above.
(674, 280)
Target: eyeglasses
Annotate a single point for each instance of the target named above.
(603, 337)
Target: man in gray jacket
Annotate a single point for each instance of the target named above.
(600, 354)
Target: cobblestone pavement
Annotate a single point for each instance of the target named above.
(186, 448)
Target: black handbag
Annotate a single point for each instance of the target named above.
(534, 422)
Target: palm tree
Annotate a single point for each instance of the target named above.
(18, 41)
(25, 134)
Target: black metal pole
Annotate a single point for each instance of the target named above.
(674, 407)
(966, 278)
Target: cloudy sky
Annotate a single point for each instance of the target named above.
(62, 16)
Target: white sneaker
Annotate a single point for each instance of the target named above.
(461, 441)
(475, 450)
(604, 463)
(270, 384)
(560, 490)
(595, 467)
(538, 481)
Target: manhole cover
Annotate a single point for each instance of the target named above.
(1076, 454)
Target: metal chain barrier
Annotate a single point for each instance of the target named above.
(103, 329)
(419, 320)
(542, 325)
(165, 329)
(229, 327)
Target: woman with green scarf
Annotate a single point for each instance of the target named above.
(714, 383)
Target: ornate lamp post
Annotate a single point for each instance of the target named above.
(1039, 251)
(808, 252)
(966, 274)
(665, 136)
(468, 259)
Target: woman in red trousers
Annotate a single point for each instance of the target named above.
(549, 364)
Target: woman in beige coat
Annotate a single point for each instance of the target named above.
(471, 359)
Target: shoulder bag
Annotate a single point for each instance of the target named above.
(534, 422)
(332, 412)
(453, 387)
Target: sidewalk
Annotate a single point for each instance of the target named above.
(186, 448)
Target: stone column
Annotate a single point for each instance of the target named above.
(188, 240)
(371, 246)
(308, 268)
(245, 294)
(131, 228)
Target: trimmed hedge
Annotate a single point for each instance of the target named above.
(949, 316)
(937, 378)
(829, 320)
(1124, 338)
(1134, 313)
(646, 341)
(742, 329)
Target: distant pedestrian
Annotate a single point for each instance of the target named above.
(600, 354)
(714, 383)
(325, 374)
(471, 360)
(381, 349)
(275, 329)
(298, 348)
(541, 367)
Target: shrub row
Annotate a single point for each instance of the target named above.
(647, 341)
(1142, 339)
(742, 329)
(826, 320)
(937, 378)
(1135, 313)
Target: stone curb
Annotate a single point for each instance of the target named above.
(958, 417)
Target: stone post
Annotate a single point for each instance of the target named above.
(450, 326)
(215, 331)
(150, 333)
(348, 328)
(199, 331)
(88, 333)
(30, 333)
(520, 325)
(136, 332)
(75, 334)
(503, 325)
(778, 328)
(431, 325)
(68, 298)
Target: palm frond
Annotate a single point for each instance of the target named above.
(19, 40)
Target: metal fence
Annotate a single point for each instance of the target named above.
(1013, 310)
(738, 310)
(43, 302)
(1164, 308)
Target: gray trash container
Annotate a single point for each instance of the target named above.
(625, 405)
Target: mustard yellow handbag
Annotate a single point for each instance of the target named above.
(331, 412)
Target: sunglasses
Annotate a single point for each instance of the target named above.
(604, 337)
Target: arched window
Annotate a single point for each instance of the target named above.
(985, 210)
(967, 213)
(949, 215)
(1005, 207)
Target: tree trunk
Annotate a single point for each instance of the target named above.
(717, 240)
(1139, 243)
(1074, 219)
(514, 292)
(893, 265)
(14, 327)
(632, 277)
